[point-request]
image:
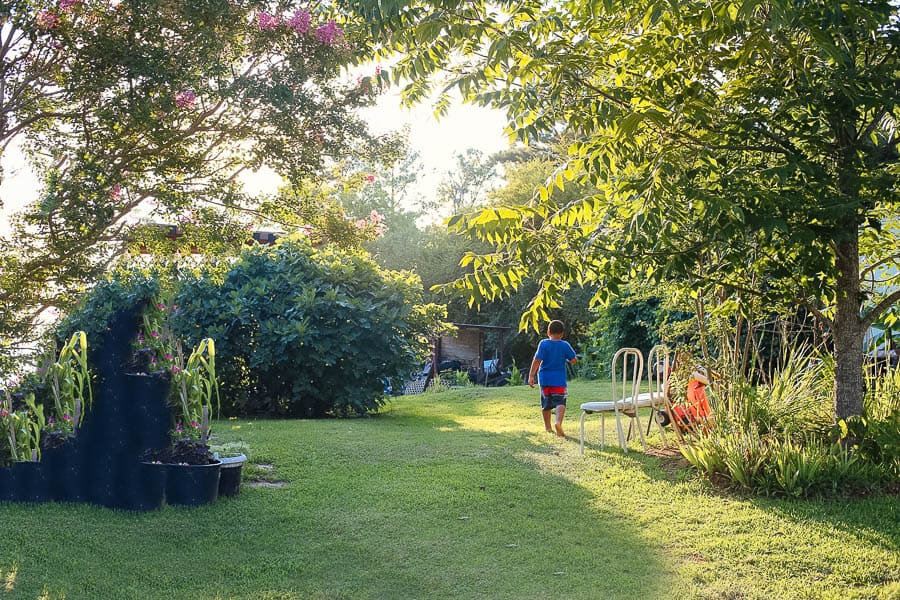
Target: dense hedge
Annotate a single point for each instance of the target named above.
(306, 332)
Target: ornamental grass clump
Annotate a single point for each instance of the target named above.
(781, 440)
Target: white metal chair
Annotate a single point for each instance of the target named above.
(626, 399)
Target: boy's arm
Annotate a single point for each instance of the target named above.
(535, 365)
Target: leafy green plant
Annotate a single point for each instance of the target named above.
(69, 381)
(515, 376)
(456, 378)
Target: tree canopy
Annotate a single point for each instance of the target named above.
(749, 145)
(156, 108)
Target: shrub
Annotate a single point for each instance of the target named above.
(306, 332)
(124, 289)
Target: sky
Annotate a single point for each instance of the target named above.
(436, 140)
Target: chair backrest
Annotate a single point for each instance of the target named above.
(658, 370)
(630, 362)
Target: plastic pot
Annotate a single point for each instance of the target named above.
(230, 477)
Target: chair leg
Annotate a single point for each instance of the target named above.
(637, 421)
(602, 431)
(582, 430)
(622, 442)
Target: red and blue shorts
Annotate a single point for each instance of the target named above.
(553, 396)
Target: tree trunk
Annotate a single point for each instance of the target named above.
(847, 330)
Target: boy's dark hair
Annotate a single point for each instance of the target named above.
(556, 327)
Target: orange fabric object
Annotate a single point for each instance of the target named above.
(697, 404)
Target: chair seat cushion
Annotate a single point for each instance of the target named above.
(643, 400)
(598, 406)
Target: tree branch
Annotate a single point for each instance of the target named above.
(880, 308)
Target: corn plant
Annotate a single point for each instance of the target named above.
(196, 386)
(69, 380)
(23, 428)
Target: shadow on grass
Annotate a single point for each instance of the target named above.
(873, 520)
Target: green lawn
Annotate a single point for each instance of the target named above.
(458, 494)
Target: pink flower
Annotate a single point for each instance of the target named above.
(4, 412)
(375, 217)
(67, 5)
(185, 99)
(267, 21)
(154, 334)
(361, 223)
(168, 356)
(66, 417)
(160, 305)
(51, 421)
(370, 178)
(195, 424)
(175, 369)
(329, 33)
(300, 21)
(178, 428)
(47, 20)
(116, 192)
(377, 69)
(140, 338)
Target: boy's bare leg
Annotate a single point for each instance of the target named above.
(546, 415)
(560, 414)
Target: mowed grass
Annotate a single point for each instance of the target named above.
(458, 494)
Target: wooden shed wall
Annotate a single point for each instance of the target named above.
(465, 347)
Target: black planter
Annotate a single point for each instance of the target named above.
(230, 477)
(148, 407)
(192, 485)
(33, 480)
(8, 485)
(65, 467)
(142, 487)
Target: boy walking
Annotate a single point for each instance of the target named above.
(549, 366)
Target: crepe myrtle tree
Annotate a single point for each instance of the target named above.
(158, 106)
(732, 142)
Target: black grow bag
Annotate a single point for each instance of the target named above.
(33, 481)
(8, 485)
(192, 485)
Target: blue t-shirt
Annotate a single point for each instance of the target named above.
(553, 354)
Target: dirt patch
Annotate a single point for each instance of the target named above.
(663, 452)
